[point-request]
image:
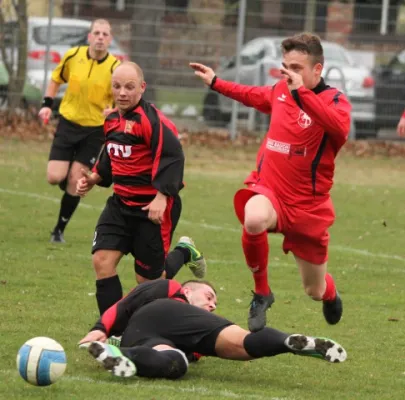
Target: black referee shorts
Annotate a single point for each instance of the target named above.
(181, 325)
(128, 230)
(73, 142)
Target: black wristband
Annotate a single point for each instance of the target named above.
(214, 79)
(47, 102)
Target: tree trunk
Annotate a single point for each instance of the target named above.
(16, 85)
(17, 73)
(145, 41)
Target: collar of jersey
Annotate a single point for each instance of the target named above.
(320, 87)
(98, 61)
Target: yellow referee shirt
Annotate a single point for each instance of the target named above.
(89, 86)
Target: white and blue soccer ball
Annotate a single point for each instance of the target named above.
(41, 361)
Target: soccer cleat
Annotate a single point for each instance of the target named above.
(112, 359)
(57, 236)
(257, 311)
(333, 310)
(197, 263)
(114, 340)
(317, 347)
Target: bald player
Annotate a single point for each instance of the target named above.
(143, 158)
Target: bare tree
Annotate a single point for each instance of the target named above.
(14, 54)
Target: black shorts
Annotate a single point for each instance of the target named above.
(181, 325)
(73, 142)
(128, 230)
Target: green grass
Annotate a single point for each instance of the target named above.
(48, 290)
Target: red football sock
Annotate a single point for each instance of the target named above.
(256, 250)
(330, 291)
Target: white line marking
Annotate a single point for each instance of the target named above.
(367, 253)
(343, 249)
(199, 390)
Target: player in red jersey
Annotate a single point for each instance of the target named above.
(289, 192)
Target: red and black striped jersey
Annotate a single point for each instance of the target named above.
(141, 156)
(116, 318)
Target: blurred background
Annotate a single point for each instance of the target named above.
(363, 42)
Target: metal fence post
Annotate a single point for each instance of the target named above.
(48, 46)
(251, 122)
(384, 16)
(239, 42)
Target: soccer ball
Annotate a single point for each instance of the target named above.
(41, 361)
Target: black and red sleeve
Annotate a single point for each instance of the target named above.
(103, 164)
(167, 155)
(115, 320)
(103, 168)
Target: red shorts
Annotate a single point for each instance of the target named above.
(305, 231)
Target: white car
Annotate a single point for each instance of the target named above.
(65, 33)
(261, 60)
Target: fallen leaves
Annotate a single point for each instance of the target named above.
(25, 125)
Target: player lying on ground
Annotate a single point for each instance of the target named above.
(163, 322)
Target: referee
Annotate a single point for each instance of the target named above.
(79, 135)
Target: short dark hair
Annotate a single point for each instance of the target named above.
(307, 43)
(200, 281)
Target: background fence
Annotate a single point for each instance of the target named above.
(163, 36)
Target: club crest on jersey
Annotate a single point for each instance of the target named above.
(304, 121)
(128, 126)
(119, 150)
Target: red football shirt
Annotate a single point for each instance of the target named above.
(307, 129)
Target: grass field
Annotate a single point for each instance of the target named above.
(48, 290)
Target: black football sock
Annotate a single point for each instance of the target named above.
(151, 363)
(108, 292)
(68, 206)
(175, 260)
(63, 185)
(267, 342)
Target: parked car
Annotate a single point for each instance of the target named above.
(261, 60)
(65, 33)
(32, 93)
(390, 92)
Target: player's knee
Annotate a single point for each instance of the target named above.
(255, 223)
(103, 266)
(54, 178)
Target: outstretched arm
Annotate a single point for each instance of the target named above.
(258, 97)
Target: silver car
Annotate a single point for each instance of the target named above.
(65, 33)
(261, 60)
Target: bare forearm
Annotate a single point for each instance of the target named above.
(52, 89)
(95, 178)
